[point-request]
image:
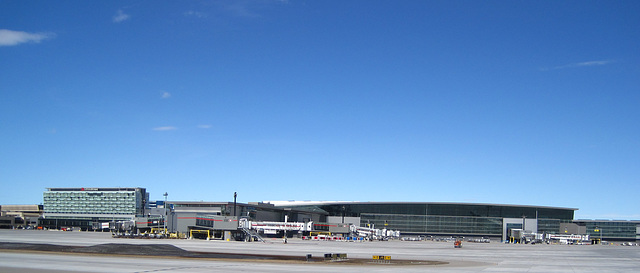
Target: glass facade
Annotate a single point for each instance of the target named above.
(128, 201)
(444, 218)
(448, 209)
(483, 226)
(611, 230)
(551, 226)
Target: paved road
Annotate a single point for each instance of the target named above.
(494, 257)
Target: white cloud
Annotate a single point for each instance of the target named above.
(120, 16)
(165, 128)
(204, 126)
(195, 14)
(581, 64)
(166, 95)
(12, 37)
(243, 8)
(592, 63)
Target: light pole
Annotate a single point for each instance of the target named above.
(164, 222)
(235, 196)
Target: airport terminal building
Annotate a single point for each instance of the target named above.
(95, 208)
(19, 216)
(444, 219)
(468, 219)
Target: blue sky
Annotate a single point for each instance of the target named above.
(510, 102)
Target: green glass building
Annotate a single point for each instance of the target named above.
(84, 208)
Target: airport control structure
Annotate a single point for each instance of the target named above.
(129, 212)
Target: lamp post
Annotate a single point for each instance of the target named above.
(164, 218)
(235, 196)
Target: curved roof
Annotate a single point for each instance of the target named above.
(316, 203)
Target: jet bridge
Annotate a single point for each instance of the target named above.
(268, 227)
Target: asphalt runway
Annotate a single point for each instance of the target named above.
(472, 257)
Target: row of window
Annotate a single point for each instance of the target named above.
(611, 229)
(94, 212)
(97, 211)
(450, 224)
(112, 205)
(459, 210)
(88, 193)
(87, 203)
(435, 224)
(87, 209)
(204, 222)
(90, 198)
(103, 205)
(549, 225)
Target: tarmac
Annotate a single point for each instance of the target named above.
(102, 253)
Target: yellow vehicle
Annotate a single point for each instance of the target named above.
(320, 235)
(159, 230)
(317, 233)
